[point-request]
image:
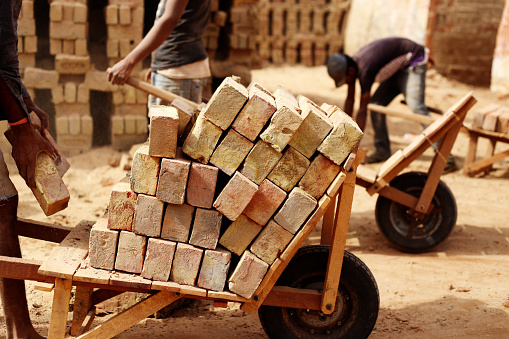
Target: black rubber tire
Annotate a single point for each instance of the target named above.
(394, 221)
(359, 299)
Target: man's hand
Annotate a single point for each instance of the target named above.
(32, 107)
(120, 72)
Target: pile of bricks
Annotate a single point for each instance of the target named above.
(27, 40)
(493, 118)
(218, 211)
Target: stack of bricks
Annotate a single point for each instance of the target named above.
(27, 40)
(492, 118)
(252, 168)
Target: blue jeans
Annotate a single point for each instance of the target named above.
(190, 89)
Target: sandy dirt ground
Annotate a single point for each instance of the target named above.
(459, 289)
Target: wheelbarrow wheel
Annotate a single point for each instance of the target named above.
(358, 301)
(410, 233)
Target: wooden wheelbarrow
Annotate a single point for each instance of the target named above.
(417, 211)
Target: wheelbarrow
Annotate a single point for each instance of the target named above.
(416, 211)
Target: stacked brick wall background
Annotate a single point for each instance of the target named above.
(217, 193)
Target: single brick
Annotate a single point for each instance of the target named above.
(158, 260)
(490, 120)
(254, 115)
(121, 207)
(235, 196)
(164, 123)
(283, 97)
(231, 152)
(240, 234)
(172, 183)
(206, 227)
(177, 222)
(201, 186)
(314, 128)
(289, 170)
(186, 264)
(345, 135)
(265, 202)
(283, 125)
(260, 161)
(503, 121)
(202, 140)
(148, 216)
(130, 252)
(102, 245)
(225, 103)
(248, 275)
(319, 176)
(254, 87)
(214, 269)
(480, 114)
(185, 113)
(297, 207)
(271, 242)
(144, 171)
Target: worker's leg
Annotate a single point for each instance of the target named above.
(190, 89)
(12, 292)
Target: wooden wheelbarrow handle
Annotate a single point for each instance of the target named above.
(157, 92)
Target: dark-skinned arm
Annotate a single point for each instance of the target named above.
(350, 98)
(360, 118)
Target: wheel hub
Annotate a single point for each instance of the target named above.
(316, 319)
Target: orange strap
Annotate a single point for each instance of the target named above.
(19, 122)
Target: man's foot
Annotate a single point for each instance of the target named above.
(376, 158)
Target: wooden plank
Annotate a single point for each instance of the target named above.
(391, 163)
(471, 153)
(22, 269)
(193, 290)
(127, 280)
(82, 306)
(131, 316)
(44, 286)
(60, 308)
(284, 296)
(481, 165)
(88, 321)
(226, 296)
(87, 273)
(327, 224)
(422, 119)
(169, 286)
(42, 230)
(65, 259)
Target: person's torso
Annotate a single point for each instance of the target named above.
(9, 13)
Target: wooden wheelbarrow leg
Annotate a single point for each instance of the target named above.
(60, 308)
(82, 306)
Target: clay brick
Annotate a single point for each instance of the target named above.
(172, 183)
(111, 14)
(87, 125)
(240, 234)
(284, 97)
(312, 131)
(130, 124)
(124, 14)
(235, 196)
(283, 125)
(39, 78)
(255, 87)
(72, 64)
(164, 121)
(206, 227)
(225, 103)
(490, 120)
(70, 94)
(202, 140)
(74, 119)
(56, 12)
(503, 122)
(30, 43)
(67, 30)
(186, 264)
(248, 275)
(289, 170)
(260, 161)
(124, 46)
(68, 9)
(112, 48)
(271, 242)
(83, 95)
(297, 207)
(62, 125)
(148, 216)
(201, 186)
(319, 176)
(480, 114)
(130, 252)
(102, 245)
(265, 202)
(117, 125)
(177, 222)
(144, 172)
(68, 47)
(158, 259)
(26, 27)
(185, 113)
(254, 115)
(121, 207)
(214, 269)
(55, 46)
(80, 14)
(141, 124)
(231, 152)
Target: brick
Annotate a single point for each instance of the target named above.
(70, 92)
(240, 234)
(80, 14)
(235, 196)
(68, 9)
(503, 122)
(254, 115)
(319, 176)
(201, 186)
(158, 259)
(185, 113)
(148, 216)
(312, 131)
(177, 222)
(102, 245)
(265, 202)
(480, 114)
(206, 227)
(248, 275)
(297, 207)
(30, 44)
(214, 270)
(164, 121)
(172, 183)
(67, 47)
(67, 30)
(83, 94)
(225, 103)
(121, 207)
(283, 125)
(271, 242)
(56, 12)
(111, 14)
(230, 153)
(124, 15)
(124, 47)
(117, 125)
(490, 120)
(27, 9)
(39, 78)
(202, 140)
(129, 94)
(289, 170)
(285, 98)
(130, 252)
(62, 125)
(344, 136)
(186, 264)
(87, 125)
(26, 27)
(144, 171)
(254, 87)
(260, 161)
(74, 119)
(57, 94)
(72, 64)
(141, 124)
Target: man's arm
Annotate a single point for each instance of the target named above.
(363, 110)
(120, 72)
(350, 98)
